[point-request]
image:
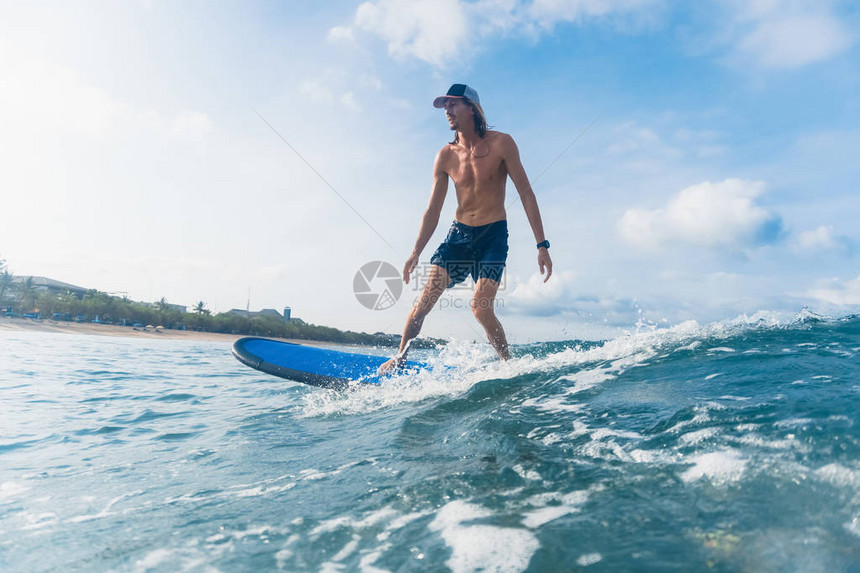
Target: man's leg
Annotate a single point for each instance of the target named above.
(436, 284)
(483, 302)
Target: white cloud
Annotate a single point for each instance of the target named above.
(340, 86)
(630, 137)
(702, 143)
(538, 298)
(821, 238)
(767, 33)
(192, 125)
(442, 31)
(839, 292)
(339, 33)
(723, 214)
(430, 30)
(348, 101)
(316, 90)
(566, 298)
(563, 296)
(796, 41)
(370, 82)
(788, 33)
(37, 97)
(547, 13)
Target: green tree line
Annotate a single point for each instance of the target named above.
(94, 304)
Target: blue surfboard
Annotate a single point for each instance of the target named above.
(315, 366)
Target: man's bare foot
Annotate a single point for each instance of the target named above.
(390, 366)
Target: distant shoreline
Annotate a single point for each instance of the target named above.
(62, 327)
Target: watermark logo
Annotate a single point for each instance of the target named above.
(462, 271)
(377, 285)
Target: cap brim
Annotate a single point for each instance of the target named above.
(439, 102)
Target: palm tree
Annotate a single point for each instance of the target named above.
(162, 305)
(200, 308)
(5, 280)
(27, 294)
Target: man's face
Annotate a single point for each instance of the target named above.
(459, 113)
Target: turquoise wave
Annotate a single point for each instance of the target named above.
(725, 447)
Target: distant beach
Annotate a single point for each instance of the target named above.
(47, 325)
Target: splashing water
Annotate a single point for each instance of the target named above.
(729, 446)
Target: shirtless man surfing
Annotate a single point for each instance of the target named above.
(479, 161)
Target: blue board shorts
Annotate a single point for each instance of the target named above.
(479, 252)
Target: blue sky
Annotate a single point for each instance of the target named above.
(717, 178)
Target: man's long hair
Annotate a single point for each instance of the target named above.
(481, 126)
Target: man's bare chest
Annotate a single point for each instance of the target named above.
(467, 170)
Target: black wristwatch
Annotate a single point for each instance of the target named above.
(543, 244)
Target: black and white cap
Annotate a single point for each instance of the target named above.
(457, 91)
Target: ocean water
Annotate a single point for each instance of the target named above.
(725, 447)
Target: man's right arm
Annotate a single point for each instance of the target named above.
(431, 215)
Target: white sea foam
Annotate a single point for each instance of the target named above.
(789, 443)
(587, 379)
(452, 373)
(692, 346)
(368, 560)
(347, 549)
(645, 456)
(459, 365)
(538, 517)
(853, 526)
(552, 438)
(551, 404)
(375, 517)
(589, 559)
(793, 423)
(386, 518)
(330, 525)
(718, 467)
(605, 450)
(693, 438)
(400, 522)
(39, 520)
(839, 475)
(700, 417)
(239, 534)
(153, 559)
(107, 509)
(602, 433)
(11, 490)
(285, 553)
(526, 474)
(563, 504)
(481, 547)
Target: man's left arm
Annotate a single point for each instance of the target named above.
(511, 156)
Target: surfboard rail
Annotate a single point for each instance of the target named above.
(251, 357)
(323, 367)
